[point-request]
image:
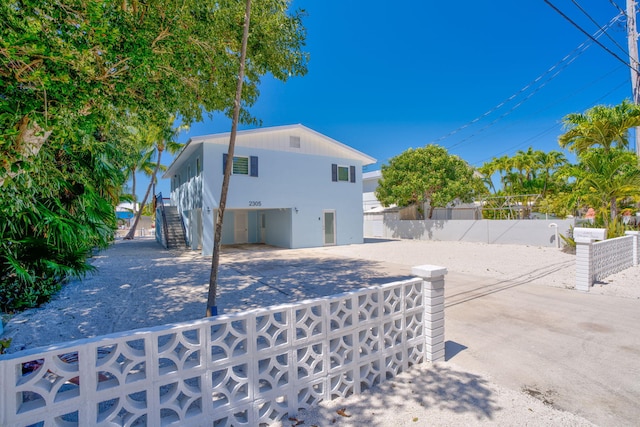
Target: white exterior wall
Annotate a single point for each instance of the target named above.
(186, 184)
(186, 193)
(288, 181)
(293, 188)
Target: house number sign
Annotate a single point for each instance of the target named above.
(255, 203)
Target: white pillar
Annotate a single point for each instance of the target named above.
(584, 264)
(433, 279)
(636, 250)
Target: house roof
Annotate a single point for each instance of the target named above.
(373, 175)
(312, 142)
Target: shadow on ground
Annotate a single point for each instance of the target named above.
(140, 284)
(260, 283)
(436, 386)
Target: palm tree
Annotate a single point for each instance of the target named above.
(604, 177)
(601, 126)
(525, 162)
(145, 164)
(525, 173)
(549, 163)
(487, 170)
(163, 140)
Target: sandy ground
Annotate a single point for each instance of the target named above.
(441, 394)
(171, 286)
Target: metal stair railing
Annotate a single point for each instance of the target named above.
(165, 227)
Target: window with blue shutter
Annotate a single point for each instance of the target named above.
(242, 165)
(343, 173)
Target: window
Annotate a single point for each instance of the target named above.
(242, 165)
(198, 166)
(294, 141)
(343, 173)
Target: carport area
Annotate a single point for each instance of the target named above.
(511, 317)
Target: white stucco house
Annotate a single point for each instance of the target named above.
(291, 187)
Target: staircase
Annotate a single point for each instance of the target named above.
(175, 232)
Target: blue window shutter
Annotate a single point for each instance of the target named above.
(224, 162)
(334, 172)
(352, 173)
(253, 165)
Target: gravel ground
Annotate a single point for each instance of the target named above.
(139, 284)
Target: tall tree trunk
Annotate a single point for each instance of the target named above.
(133, 189)
(614, 208)
(212, 308)
(132, 231)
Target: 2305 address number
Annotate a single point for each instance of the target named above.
(255, 203)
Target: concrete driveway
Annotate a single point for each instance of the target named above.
(578, 352)
(518, 325)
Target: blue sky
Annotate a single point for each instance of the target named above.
(385, 78)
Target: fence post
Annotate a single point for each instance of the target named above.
(584, 264)
(433, 280)
(636, 251)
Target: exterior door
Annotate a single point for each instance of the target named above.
(329, 227)
(263, 227)
(241, 227)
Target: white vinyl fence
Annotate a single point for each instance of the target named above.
(244, 369)
(597, 260)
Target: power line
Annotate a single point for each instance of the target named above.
(572, 56)
(555, 126)
(517, 105)
(621, 10)
(521, 144)
(589, 35)
(577, 51)
(599, 26)
(546, 107)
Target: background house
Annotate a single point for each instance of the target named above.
(374, 210)
(369, 185)
(291, 187)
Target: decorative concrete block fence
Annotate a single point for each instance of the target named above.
(245, 369)
(598, 260)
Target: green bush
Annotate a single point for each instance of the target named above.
(51, 219)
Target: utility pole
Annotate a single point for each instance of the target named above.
(632, 40)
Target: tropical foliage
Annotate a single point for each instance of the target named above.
(153, 141)
(605, 179)
(427, 175)
(526, 172)
(600, 126)
(53, 216)
(526, 179)
(606, 175)
(80, 80)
